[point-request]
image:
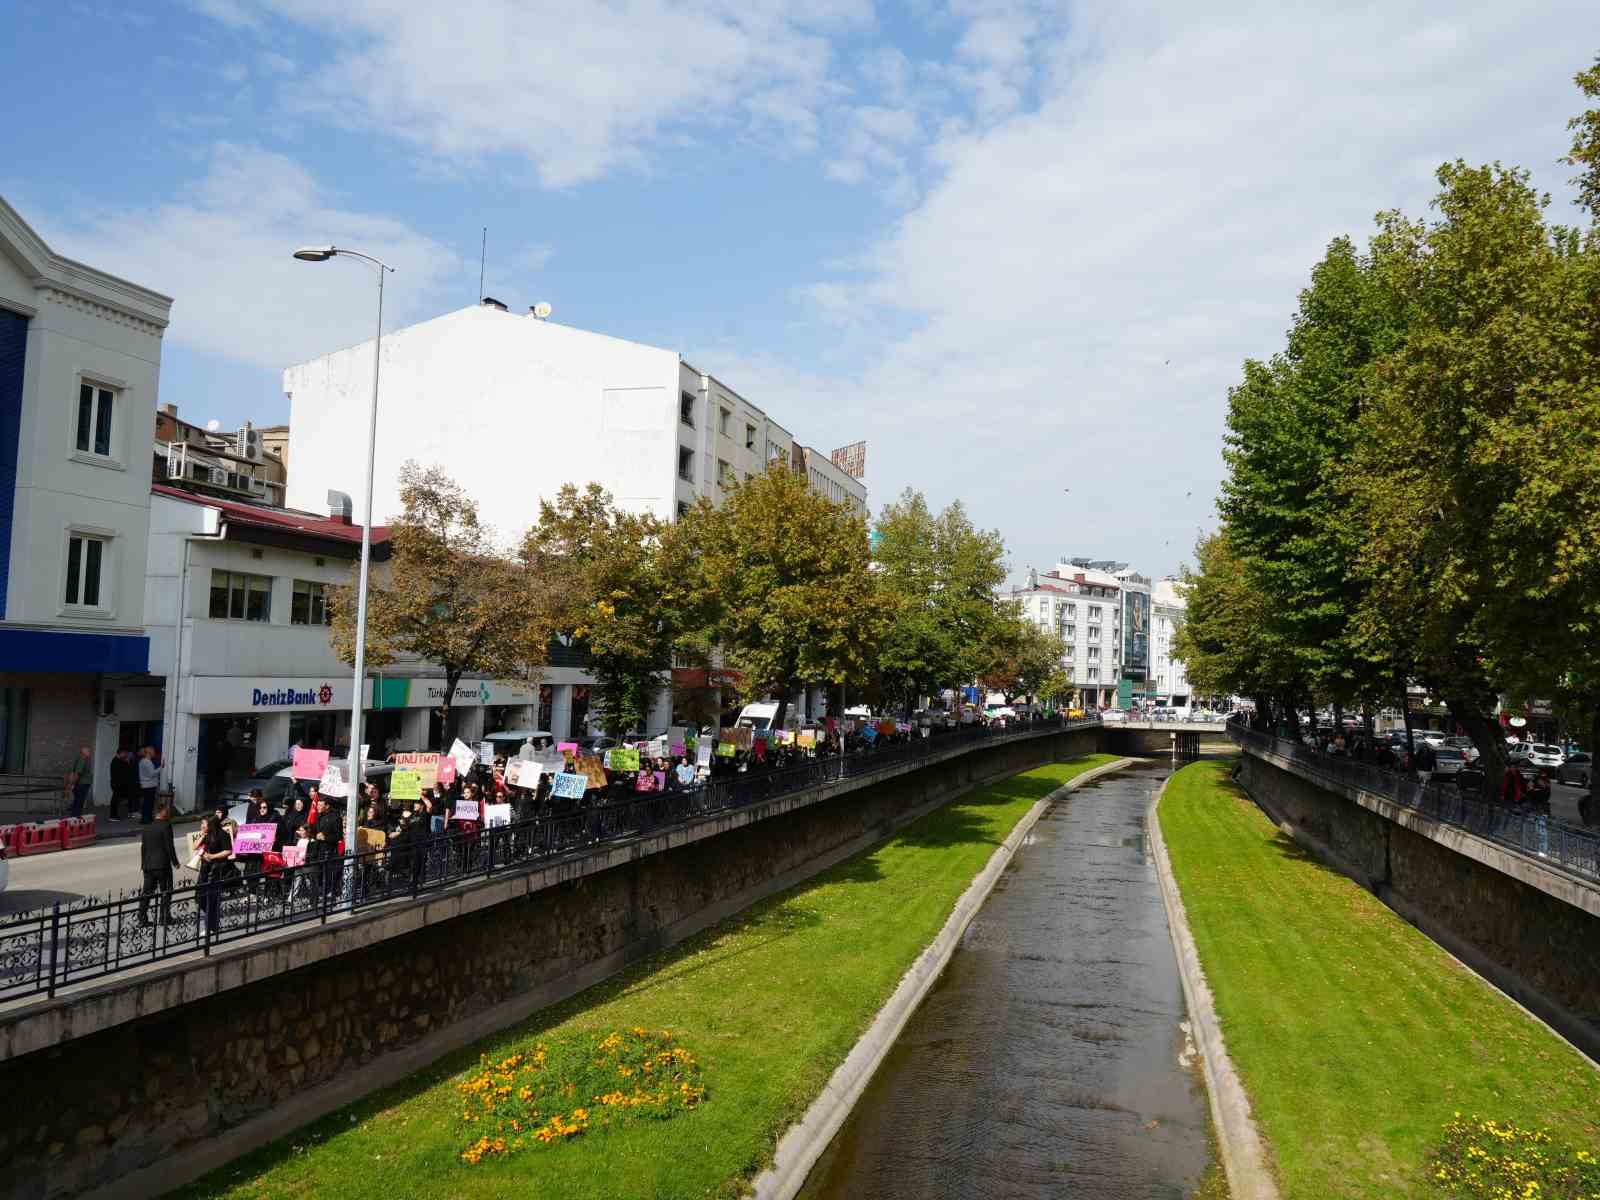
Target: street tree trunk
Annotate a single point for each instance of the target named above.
(1490, 742)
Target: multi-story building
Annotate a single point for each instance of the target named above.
(515, 407)
(238, 608)
(239, 465)
(519, 406)
(1171, 680)
(80, 360)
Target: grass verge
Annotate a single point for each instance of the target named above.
(769, 1003)
(1356, 1037)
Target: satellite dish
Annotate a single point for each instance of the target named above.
(1518, 722)
(213, 425)
(542, 310)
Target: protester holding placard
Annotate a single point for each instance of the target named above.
(216, 872)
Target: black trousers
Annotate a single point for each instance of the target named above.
(147, 805)
(156, 881)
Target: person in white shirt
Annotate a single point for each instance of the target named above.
(149, 781)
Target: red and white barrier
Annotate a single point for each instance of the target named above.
(36, 838)
(77, 831)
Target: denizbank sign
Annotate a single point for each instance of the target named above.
(290, 698)
(233, 694)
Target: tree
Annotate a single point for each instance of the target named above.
(1027, 656)
(1585, 152)
(448, 595)
(611, 578)
(942, 573)
(780, 578)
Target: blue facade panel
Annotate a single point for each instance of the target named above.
(13, 349)
(47, 650)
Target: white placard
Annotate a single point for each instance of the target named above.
(333, 782)
(496, 815)
(466, 757)
(466, 810)
(486, 754)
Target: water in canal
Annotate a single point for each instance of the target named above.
(1050, 1060)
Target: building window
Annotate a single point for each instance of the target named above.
(686, 408)
(309, 604)
(1094, 612)
(85, 563)
(14, 706)
(1069, 632)
(96, 405)
(1094, 653)
(1070, 651)
(683, 510)
(724, 422)
(1094, 674)
(1094, 633)
(686, 464)
(749, 437)
(725, 476)
(236, 596)
(1072, 608)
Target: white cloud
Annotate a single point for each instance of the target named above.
(224, 254)
(1084, 277)
(578, 90)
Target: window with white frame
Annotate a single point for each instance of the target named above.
(725, 475)
(96, 418)
(686, 464)
(1094, 612)
(1094, 653)
(686, 408)
(749, 437)
(308, 604)
(1094, 674)
(87, 560)
(238, 596)
(725, 422)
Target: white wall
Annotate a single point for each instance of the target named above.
(512, 407)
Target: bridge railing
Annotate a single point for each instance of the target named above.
(1568, 847)
(47, 949)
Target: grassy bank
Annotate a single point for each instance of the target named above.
(767, 1003)
(1357, 1038)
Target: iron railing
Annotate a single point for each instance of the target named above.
(48, 949)
(1559, 844)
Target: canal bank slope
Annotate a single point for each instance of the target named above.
(768, 1002)
(1356, 1037)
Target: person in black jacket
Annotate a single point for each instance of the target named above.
(124, 784)
(157, 858)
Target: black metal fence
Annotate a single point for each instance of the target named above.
(48, 949)
(1569, 847)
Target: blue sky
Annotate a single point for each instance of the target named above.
(1019, 247)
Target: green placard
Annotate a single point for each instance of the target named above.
(625, 758)
(405, 785)
(725, 749)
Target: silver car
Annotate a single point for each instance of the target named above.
(1546, 757)
(1575, 769)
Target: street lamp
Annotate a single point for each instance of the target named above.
(357, 774)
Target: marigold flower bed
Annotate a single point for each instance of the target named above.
(1500, 1160)
(549, 1091)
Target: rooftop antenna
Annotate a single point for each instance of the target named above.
(483, 255)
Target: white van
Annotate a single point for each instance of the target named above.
(759, 716)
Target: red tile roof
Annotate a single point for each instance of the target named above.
(288, 520)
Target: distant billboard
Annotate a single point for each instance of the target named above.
(851, 459)
(1135, 633)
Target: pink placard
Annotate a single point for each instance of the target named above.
(566, 747)
(254, 839)
(447, 770)
(294, 856)
(309, 764)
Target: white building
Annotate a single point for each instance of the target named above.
(515, 407)
(237, 610)
(80, 359)
(1169, 605)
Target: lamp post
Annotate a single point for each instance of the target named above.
(357, 773)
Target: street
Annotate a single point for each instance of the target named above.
(107, 868)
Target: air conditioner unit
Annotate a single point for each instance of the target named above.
(219, 476)
(256, 487)
(177, 460)
(249, 443)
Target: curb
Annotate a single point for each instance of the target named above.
(802, 1145)
(1244, 1152)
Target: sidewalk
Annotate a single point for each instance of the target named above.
(105, 829)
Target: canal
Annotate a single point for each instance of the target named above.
(1051, 1058)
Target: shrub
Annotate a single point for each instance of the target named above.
(548, 1092)
(1500, 1160)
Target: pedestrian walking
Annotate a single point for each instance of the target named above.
(80, 780)
(124, 784)
(149, 781)
(157, 858)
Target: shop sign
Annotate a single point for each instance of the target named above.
(389, 692)
(238, 694)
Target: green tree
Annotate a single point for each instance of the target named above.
(942, 573)
(1585, 152)
(448, 594)
(611, 579)
(780, 578)
(1026, 656)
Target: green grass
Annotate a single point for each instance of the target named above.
(768, 1002)
(1356, 1037)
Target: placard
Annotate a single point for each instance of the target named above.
(523, 774)
(255, 839)
(553, 761)
(295, 855)
(466, 810)
(593, 770)
(464, 756)
(405, 785)
(564, 747)
(677, 735)
(741, 737)
(702, 755)
(869, 733)
(805, 738)
(677, 749)
(309, 764)
(760, 748)
(570, 786)
(368, 840)
(447, 770)
(424, 764)
(333, 782)
(624, 758)
(726, 749)
(496, 815)
(486, 754)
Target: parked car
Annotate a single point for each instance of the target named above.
(1546, 756)
(277, 786)
(1518, 752)
(1575, 769)
(1448, 762)
(1463, 744)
